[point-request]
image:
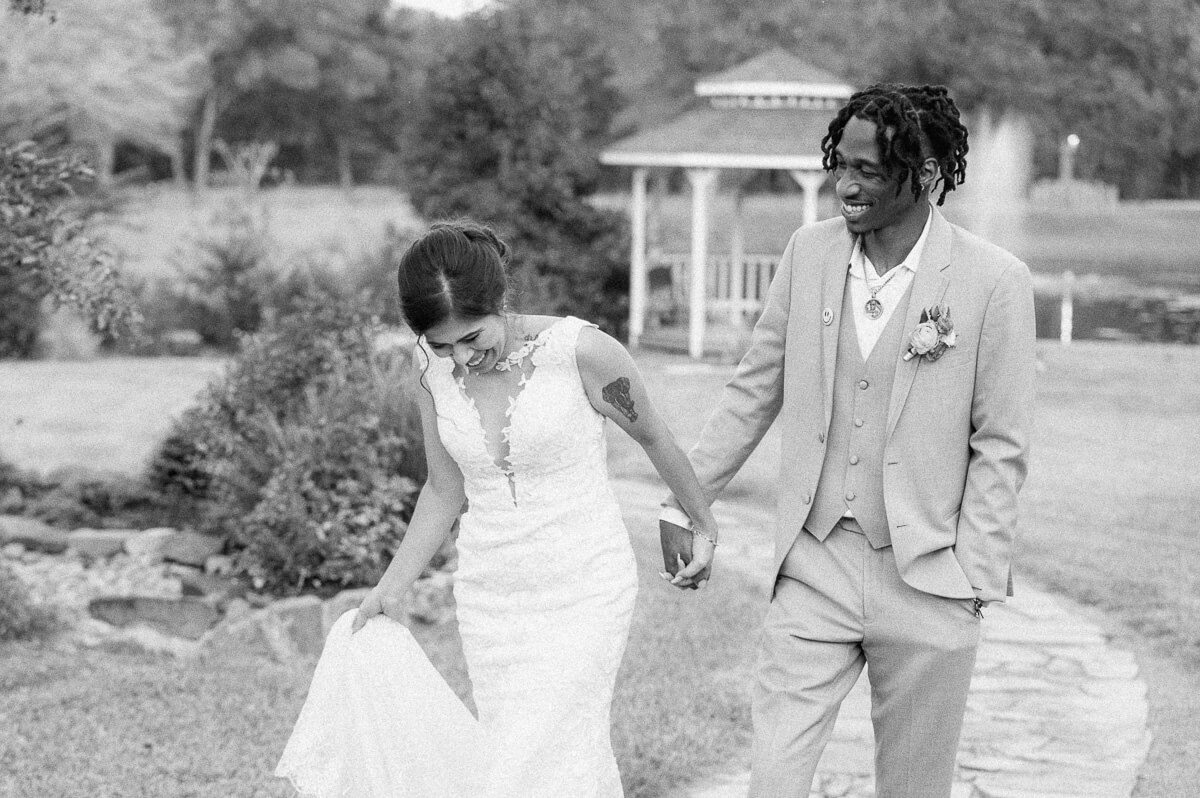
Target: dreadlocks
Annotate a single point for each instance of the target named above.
(925, 124)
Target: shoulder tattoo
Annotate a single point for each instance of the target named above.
(616, 393)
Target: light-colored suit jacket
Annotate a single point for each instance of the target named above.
(958, 428)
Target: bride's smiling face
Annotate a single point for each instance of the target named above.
(474, 343)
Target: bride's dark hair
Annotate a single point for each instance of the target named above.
(457, 269)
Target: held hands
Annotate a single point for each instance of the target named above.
(694, 574)
(687, 555)
(382, 600)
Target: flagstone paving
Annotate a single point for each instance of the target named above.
(1055, 710)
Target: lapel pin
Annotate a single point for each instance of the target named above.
(827, 316)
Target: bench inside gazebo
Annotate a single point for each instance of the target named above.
(768, 113)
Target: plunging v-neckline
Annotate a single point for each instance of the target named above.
(503, 461)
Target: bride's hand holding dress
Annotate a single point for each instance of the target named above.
(438, 506)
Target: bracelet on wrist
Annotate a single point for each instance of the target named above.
(700, 534)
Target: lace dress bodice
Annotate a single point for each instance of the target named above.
(546, 508)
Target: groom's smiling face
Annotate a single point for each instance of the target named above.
(869, 189)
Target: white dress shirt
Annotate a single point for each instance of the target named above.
(891, 288)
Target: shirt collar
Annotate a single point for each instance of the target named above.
(858, 258)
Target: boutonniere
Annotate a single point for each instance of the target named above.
(933, 335)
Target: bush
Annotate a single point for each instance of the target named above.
(20, 617)
(45, 253)
(307, 456)
(77, 497)
(334, 509)
(227, 279)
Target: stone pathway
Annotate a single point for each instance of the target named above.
(1055, 711)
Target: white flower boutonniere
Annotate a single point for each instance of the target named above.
(933, 335)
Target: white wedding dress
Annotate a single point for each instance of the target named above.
(545, 590)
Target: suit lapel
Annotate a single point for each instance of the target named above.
(833, 290)
(929, 286)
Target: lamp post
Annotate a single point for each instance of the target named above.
(1066, 157)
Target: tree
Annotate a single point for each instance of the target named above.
(100, 71)
(45, 254)
(1123, 74)
(1120, 73)
(507, 133)
(310, 73)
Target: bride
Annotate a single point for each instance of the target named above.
(513, 409)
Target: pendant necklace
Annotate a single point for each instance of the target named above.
(874, 307)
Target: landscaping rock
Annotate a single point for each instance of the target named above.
(237, 609)
(191, 548)
(258, 600)
(216, 590)
(303, 617)
(98, 544)
(12, 500)
(148, 544)
(341, 603)
(33, 534)
(183, 617)
(250, 633)
(92, 633)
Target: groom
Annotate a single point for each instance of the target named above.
(896, 351)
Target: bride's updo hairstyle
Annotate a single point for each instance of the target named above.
(457, 270)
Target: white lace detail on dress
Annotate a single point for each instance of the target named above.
(545, 585)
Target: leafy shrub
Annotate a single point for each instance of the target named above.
(307, 456)
(45, 254)
(77, 497)
(19, 616)
(227, 278)
(81, 497)
(334, 508)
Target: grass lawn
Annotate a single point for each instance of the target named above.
(1109, 517)
(151, 222)
(105, 414)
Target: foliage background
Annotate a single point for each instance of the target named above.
(340, 86)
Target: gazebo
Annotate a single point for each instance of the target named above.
(768, 113)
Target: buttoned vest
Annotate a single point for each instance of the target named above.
(852, 473)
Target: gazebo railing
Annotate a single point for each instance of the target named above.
(734, 294)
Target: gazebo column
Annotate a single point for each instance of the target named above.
(737, 257)
(659, 181)
(810, 185)
(702, 181)
(637, 257)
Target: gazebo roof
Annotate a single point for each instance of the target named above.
(774, 73)
(734, 138)
(766, 113)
